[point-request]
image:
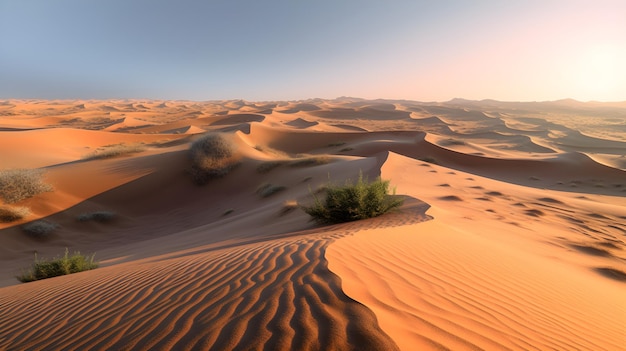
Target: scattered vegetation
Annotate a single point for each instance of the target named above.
(12, 214)
(97, 216)
(429, 159)
(20, 184)
(339, 143)
(346, 149)
(310, 161)
(66, 264)
(212, 156)
(227, 212)
(116, 150)
(40, 229)
(267, 166)
(268, 189)
(450, 142)
(353, 202)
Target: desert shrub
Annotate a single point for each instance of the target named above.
(12, 214)
(40, 229)
(97, 216)
(20, 184)
(111, 151)
(267, 166)
(66, 264)
(268, 189)
(212, 156)
(353, 202)
(429, 159)
(310, 161)
(339, 143)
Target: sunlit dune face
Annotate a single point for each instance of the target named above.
(599, 71)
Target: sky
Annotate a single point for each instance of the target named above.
(294, 49)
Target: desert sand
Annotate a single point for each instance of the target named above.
(512, 235)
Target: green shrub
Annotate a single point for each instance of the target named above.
(353, 202)
(20, 184)
(40, 229)
(12, 214)
(212, 156)
(111, 151)
(42, 269)
(97, 216)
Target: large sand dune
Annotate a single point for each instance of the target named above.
(511, 236)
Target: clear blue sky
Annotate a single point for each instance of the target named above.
(284, 50)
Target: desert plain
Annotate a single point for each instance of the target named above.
(512, 234)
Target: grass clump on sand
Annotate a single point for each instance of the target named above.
(111, 151)
(12, 214)
(267, 189)
(310, 161)
(66, 264)
(39, 229)
(212, 156)
(20, 184)
(97, 216)
(353, 202)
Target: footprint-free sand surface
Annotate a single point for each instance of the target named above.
(512, 235)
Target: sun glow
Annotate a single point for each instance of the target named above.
(599, 72)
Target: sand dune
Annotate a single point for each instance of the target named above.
(511, 235)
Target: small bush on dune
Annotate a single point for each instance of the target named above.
(66, 264)
(12, 214)
(267, 166)
(97, 216)
(111, 151)
(39, 229)
(310, 161)
(20, 184)
(353, 202)
(212, 156)
(268, 189)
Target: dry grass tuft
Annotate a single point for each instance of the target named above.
(116, 150)
(267, 189)
(20, 184)
(12, 214)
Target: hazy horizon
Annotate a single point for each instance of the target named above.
(280, 50)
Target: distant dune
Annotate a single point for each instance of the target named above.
(511, 236)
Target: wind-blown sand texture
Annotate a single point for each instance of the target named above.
(511, 236)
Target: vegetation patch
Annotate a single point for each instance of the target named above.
(12, 214)
(20, 184)
(40, 229)
(267, 166)
(429, 159)
(116, 150)
(66, 264)
(267, 189)
(97, 216)
(310, 161)
(212, 156)
(353, 202)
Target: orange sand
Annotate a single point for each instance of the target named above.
(511, 236)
